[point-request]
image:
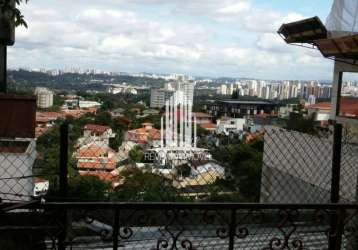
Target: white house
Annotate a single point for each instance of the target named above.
(321, 111)
(96, 133)
(284, 112)
(227, 125)
(41, 186)
(203, 174)
(88, 104)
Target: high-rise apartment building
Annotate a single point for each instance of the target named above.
(188, 89)
(222, 90)
(158, 97)
(44, 97)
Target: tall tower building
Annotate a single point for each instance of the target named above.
(188, 89)
(44, 97)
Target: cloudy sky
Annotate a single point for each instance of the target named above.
(235, 38)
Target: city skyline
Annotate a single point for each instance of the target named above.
(212, 38)
(78, 70)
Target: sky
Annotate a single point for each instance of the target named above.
(214, 38)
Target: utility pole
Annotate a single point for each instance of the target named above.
(3, 68)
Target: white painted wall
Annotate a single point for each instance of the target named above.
(17, 165)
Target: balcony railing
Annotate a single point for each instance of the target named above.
(76, 225)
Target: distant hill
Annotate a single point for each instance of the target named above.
(22, 79)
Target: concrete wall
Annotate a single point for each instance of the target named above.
(17, 165)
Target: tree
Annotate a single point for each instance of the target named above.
(7, 7)
(154, 119)
(116, 142)
(136, 154)
(87, 188)
(244, 164)
(302, 124)
(107, 105)
(103, 118)
(144, 186)
(235, 95)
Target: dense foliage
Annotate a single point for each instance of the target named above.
(144, 186)
(74, 81)
(244, 163)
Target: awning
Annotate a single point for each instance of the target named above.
(345, 47)
(304, 31)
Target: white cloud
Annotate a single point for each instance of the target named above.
(253, 18)
(117, 36)
(235, 8)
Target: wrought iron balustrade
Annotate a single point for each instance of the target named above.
(72, 225)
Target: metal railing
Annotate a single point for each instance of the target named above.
(109, 225)
(306, 184)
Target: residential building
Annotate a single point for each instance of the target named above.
(211, 127)
(88, 104)
(96, 157)
(71, 103)
(146, 135)
(96, 133)
(222, 90)
(202, 118)
(44, 98)
(204, 91)
(280, 90)
(227, 125)
(41, 186)
(118, 112)
(240, 109)
(284, 111)
(151, 112)
(122, 89)
(158, 97)
(188, 90)
(312, 100)
(321, 111)
(47, 119)
(201, 175)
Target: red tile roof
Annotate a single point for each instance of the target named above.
(143, 135)
(39, 180)
(76, 113)
(321, 105)
(97, 129)
(93, 150)
(97, 164)
(104, 176)
(208, 126)
(349, 106)
(250, 137)
(40, 131)
(202, 115)
(48, 116)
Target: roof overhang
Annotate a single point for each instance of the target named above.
(303, 31)
(345, 47)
